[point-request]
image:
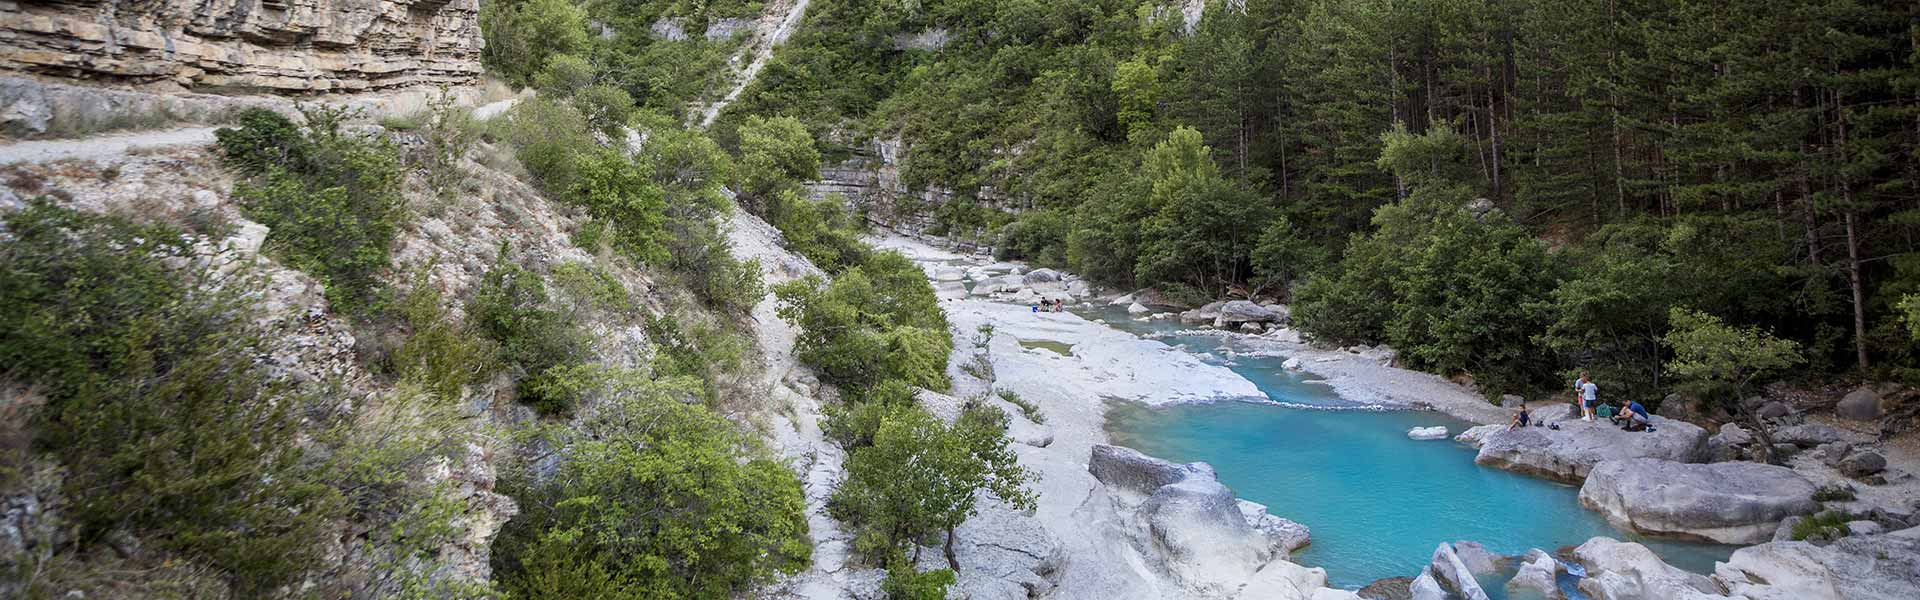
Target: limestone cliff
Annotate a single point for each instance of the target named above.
(286, 46)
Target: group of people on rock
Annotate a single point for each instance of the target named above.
(1054, 305)
(1631, 417)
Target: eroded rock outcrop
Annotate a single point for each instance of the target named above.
(1567, 454)
(1876, 567)
(280, 46)
(1727, 502)
(1189, 527)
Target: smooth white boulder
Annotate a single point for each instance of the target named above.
(1428, 433)
(1137, 309)
(1726, 502)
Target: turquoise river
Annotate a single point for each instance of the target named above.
(1377, 503)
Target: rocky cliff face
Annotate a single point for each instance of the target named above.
(870, 181)
(288, 46)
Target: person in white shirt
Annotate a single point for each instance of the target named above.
(1589, 396)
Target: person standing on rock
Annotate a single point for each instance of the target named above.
(1589, 395)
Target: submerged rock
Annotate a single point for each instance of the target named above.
(1567, 454)
(1728, 502)
(1428, 433)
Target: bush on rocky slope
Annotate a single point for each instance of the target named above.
(155, 406)
(654, 498)
(331, 198)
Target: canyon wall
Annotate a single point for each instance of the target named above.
(279, 46)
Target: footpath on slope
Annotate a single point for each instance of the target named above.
(772, 30)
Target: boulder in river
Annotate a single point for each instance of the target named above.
(1242, 311)
(1453, 574)
(1727, 502)
(1204, 314)
(1190, 527)
(1428, 433)
(1137, 309)
(1567, 454)
(1042, 276)
(1536, 575)
(1870, 567)
(1629, 571)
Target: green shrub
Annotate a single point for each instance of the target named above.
(696, 348)
(872, 323)
(921, 477)
(1833, 493)
(332, 200)
(852, 424)
(904, 583)
(512, 307)
(822, 230)
(775, 153)
(155, 404)
(591, 287)
(563, 75)
(522, 35)
(1027, 409)
(614, 189)
(653, 499)
(548, 138)
(1826, 525)
(440, 354)
(606, 108)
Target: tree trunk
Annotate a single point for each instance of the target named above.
(1859, 288)
(952, 562)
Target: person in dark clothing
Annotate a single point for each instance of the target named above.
(1520, 419)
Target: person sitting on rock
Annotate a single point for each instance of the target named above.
(1636, 417)
(1520, 419)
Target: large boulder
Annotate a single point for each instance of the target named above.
(1454, 574)
(949, 274)
(1727, 502)
(1125, 469)
(1862, 463)
(1437, 432)
(1138, 309)
(1204, 314)
(1037, 276)
(1619, 570)
(1242, 311)
(1809, 435)
(1875, 567)
(1862, 404)
(1567, 454)
(1196, 523)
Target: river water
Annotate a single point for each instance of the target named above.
(1377, 503)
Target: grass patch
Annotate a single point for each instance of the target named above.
(1027, 409)
(1827, 525)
